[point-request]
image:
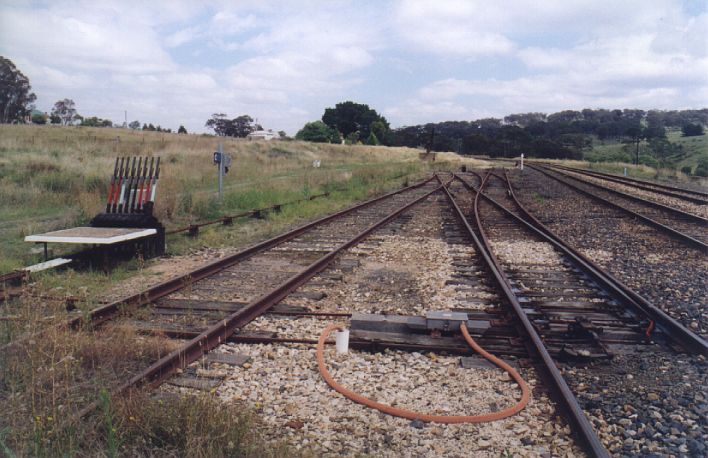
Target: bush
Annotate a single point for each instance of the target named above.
(318, 132)
(701, 170)
(686, 169)
(692, 130)
(39, 118)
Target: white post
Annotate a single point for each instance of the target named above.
(522, 161)
(625, 171)
(221, 167)
(342, 340)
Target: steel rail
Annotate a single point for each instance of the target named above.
(685, 238)
(100, 314)
(106, 312)
(641, 200)
(669, 325)
(559, 387)
(227, 219)
(702, 197)
(220, 332)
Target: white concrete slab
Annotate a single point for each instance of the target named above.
(91, 235)
(47, 265)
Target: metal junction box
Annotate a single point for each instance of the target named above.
(440, 320)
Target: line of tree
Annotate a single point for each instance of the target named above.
(558, 135)
(353, 122)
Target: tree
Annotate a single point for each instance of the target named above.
(372, 140)
(181, 130)
(135, 125)
(242, 126)
(66, 111)
(692, 130)
(15, 97)
(282, 134)
(237, 127)
(318, 132)
(349, 117)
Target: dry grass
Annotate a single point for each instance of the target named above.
(54, 177)
(45, 383)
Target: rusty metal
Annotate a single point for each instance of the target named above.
(559, 387)
(643, 201)
(220, 332)
(700, 198)
(193, 229)
(101, 314)
(662, 227)
(673, 328)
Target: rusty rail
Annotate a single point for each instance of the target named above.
(559, 387)
(225, 328)
(193, 229)
(687, 239)
(673, 328)
(641, 200)
(673, 191)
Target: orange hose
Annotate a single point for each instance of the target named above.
(411, 415)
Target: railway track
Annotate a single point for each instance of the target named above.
(660, 267)
(266, 304)
(689, 195)
(691, 228)
(547, 286)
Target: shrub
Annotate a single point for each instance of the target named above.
(686, 169)
(701, 170)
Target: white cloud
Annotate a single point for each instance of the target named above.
(415, 61)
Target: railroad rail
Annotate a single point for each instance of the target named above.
(690, 229)
(690, 195)
(215, 303)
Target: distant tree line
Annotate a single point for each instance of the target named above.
(558, 135)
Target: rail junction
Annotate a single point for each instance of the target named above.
(409, 273)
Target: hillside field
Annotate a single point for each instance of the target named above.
(57, 177)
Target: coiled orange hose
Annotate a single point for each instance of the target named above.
(411, 415)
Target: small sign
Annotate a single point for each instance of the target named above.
(217, 157)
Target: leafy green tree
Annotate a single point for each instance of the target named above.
(66, 111)
(237, 127)
(349, 117)
(135, 125)
(181, 130)
(318, 132)
(16, 98)
(372, 140)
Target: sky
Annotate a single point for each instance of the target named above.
(173, 62)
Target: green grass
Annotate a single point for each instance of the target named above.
(54, 178)
(693, 150)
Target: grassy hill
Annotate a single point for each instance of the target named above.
(56, 177)
(692, 151)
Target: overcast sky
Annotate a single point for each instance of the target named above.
(176, 62)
